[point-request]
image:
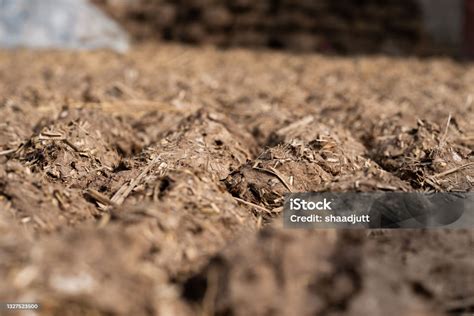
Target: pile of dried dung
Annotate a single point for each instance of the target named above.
(79, 146)
(424, 155)
(309, 156)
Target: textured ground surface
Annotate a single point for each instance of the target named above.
(151, 183)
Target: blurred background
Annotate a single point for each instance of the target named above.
(396, 27)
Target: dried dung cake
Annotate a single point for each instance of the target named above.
(78, 147)
(423, 155)
(308, 156)
(208, 142)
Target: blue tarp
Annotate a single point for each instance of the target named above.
(71, 24)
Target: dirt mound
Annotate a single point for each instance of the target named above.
(205, 144)
(277, 171)
(309, 156)
(78, 146)
(423, 155)
(206, 141)
(174, 184)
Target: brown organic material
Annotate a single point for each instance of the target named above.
(151, 183)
